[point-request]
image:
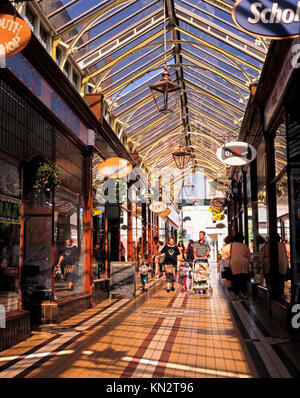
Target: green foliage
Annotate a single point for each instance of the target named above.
(181, 234)
(46, 177)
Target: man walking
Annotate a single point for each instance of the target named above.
(201, 248)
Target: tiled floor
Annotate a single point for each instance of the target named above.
(159, 334)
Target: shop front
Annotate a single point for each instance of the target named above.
(40, 223)
(271, 125)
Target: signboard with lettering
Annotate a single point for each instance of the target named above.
(281, 83)
(10, 210)
(276, 20)
(122, 278)
(236, 153)
(14, 35)
(27, 74)
(158, 207)
(114, 168)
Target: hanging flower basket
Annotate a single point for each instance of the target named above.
(46, 178)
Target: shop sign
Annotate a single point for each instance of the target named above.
(164, 213)
(27, 74)
(224, 188)
(224, 180)
(275, 20)
(236, 153)
(281, 83)
(96, 212)
(14, 35)
(220, 225)
(114, 168)
(158, 207)
(218, 203)
(10, 210)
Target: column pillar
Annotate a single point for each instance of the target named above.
(272, 217)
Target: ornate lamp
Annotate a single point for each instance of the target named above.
(163, 93)
(181, 157)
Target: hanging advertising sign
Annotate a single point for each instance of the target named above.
(158, 207)
(115, 168)
(224, 180)
(164, 213)
(220, 225)
(14, 35)
(10, 210)
(96, 212)
(223, 188)
(218, 203)
(276, 20)
(236, 153)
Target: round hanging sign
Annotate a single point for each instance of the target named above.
(236, 153)
(220, 225)
(114, 168)
(272, 19)
(158, 207)
(14, 35)
(218, 203)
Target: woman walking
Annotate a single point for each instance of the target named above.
(170, 263)
(181, 247)
(239, 257)
(189, 253)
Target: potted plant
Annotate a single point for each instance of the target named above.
(46, 178)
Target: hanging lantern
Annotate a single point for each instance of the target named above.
(163, 93)
(181, 157)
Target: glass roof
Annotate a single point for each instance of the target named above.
(122, 46)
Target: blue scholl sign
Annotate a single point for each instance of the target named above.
(272, 19)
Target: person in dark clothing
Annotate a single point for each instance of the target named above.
(99, 255)
(170, 263)
(68, 259)
(189, 254)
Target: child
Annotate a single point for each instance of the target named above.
(144, 269)
(184, 269)
(200, 275)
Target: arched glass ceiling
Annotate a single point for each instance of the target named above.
(121, 47)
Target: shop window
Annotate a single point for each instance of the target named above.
(99, 254)
(123, 235)
(12, 120)
(10, 220)
(71, 163)
(39, 134)
(283, 229)
(37, 276)
(114, 232)
(69, 244)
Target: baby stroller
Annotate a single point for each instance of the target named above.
(200, 277)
